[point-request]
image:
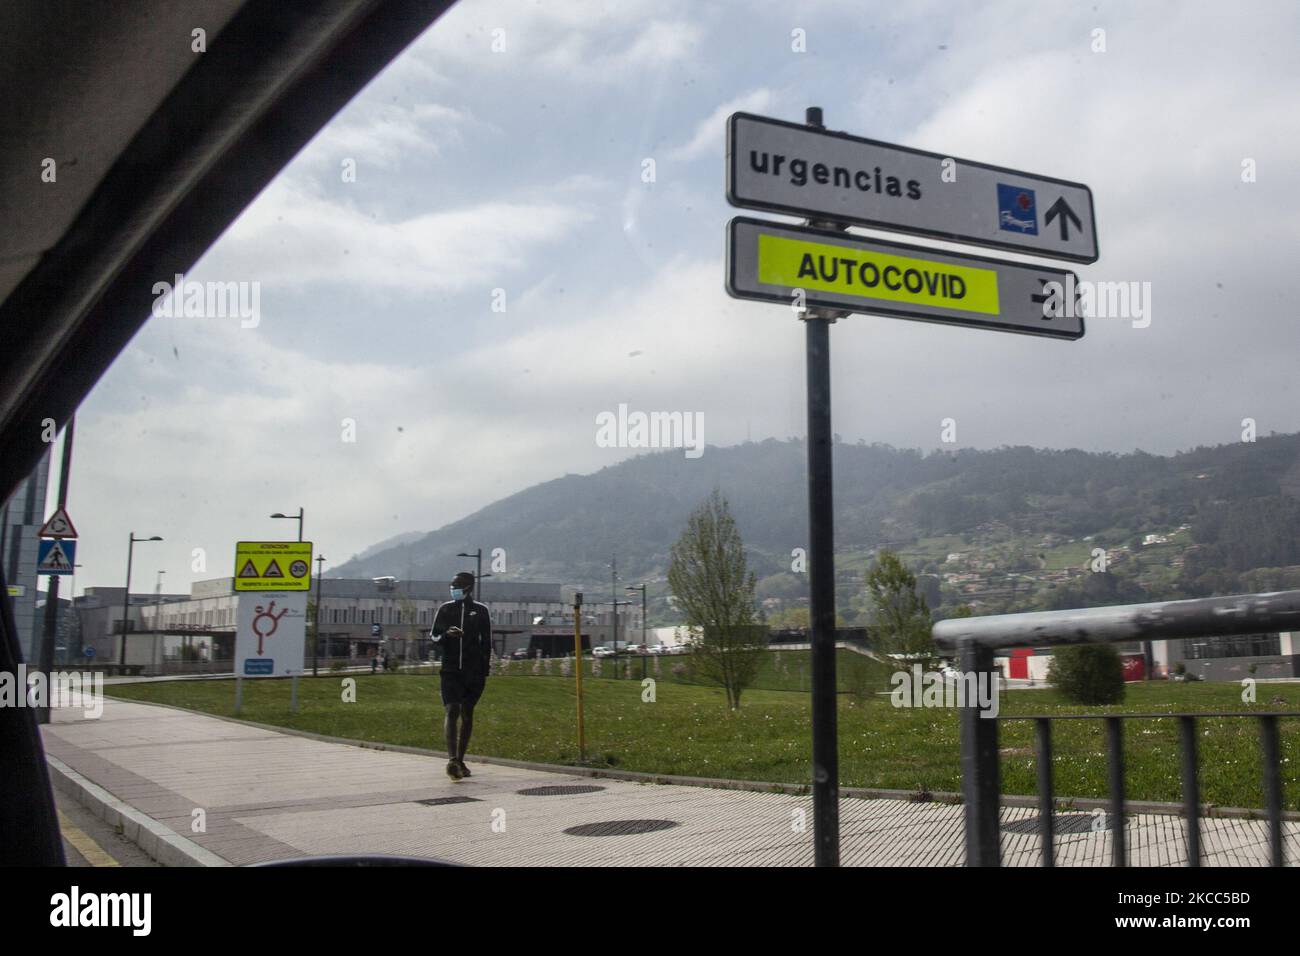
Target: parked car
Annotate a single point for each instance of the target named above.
(519, 654)
(600, 650)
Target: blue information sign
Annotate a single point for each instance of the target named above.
(56, 557)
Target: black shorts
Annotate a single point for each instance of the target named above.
(461, 688)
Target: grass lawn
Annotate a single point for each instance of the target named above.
(934, 549)
(689, 731)
(1075, 554)
(779, 670)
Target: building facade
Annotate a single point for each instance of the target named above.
(1261, 656)
(360, 618)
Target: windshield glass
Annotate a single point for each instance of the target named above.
(485, 431)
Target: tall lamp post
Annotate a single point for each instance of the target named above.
(126, 594)
(488, 574)
(157, 612)
(477, 555)
(297, 518)
(315, 641)
(645, 649)
(616, 605)
(72, 606)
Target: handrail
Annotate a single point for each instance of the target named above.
(1200, 617)
(974, 639)
(1156, 716)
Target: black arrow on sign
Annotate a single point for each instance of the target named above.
(1062, 208)
(1043, 298)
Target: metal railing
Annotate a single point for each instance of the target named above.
(974, 641)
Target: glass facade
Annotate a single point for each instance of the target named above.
(1245, 645)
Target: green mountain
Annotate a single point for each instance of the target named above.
(1012, 505)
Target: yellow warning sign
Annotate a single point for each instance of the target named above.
(273, 566)
(799, 263)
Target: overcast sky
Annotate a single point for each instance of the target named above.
(521, 170)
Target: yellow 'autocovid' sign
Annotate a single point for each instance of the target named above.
(867, 274)
(273, 566)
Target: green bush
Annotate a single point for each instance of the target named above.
(860, 675)
(1088, 674)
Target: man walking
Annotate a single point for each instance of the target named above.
(462, 629)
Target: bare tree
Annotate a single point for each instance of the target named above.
(714, 588)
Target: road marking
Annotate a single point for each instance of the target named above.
(95, 854)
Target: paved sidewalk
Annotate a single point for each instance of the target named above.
(271, 796)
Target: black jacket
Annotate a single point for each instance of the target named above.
(471, 653)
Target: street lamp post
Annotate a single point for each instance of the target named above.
(297, 518)
(616, 604)
(645, 649)
(126, 594)
(315, 641)
(157, 613)
(477, 555)
(72, 606)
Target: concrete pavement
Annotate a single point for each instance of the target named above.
(202, 790)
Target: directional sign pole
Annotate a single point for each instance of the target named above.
(821, 573)
(51, 621)
(838, 180)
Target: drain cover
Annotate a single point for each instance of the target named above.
(1061, 823)
(560, 791)
(621, 827)
(441, 801)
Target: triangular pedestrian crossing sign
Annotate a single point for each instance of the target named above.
(248, 571)
(59, 525)
(273, 570)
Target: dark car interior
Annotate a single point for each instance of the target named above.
(130, 140)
